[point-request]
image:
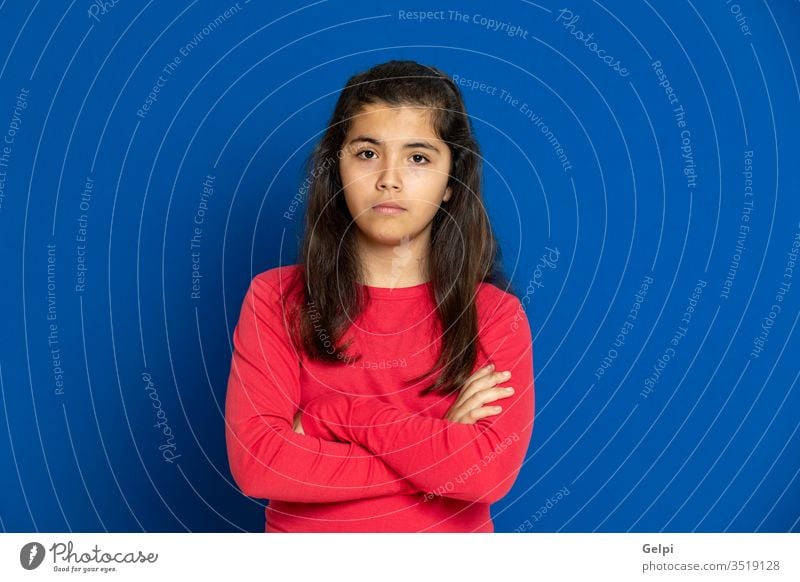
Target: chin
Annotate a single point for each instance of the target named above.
(390, 239)
(387, 236)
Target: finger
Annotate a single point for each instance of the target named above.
(486, 396)
(470, 416)
(484, 411)
(480, 399)
(480, 373)
(489, 395)
(482, 383)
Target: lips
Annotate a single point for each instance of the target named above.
(384, 210)
(389, 205)
(388, 208)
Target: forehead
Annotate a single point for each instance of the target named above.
(386, 122)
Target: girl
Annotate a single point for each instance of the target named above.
(364, 383)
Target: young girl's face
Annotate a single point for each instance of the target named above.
(392, 155)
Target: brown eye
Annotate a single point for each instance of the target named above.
(365, 152)
(420, 161)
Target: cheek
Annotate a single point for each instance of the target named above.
(354, 187)
(346, 176)
(427, 186)
(352, 172)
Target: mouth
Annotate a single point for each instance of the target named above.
(388, 208)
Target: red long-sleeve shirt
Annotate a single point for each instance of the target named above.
(376, 456)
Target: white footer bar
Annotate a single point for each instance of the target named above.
(389, 557)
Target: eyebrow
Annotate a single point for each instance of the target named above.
(414, 144)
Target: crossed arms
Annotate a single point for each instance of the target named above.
(360, 447)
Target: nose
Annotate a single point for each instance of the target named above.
(389, 178)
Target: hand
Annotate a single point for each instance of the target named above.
(478, 390)
(298, 426)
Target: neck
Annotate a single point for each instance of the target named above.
(401, 265)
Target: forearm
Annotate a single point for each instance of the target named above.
(475, 462)
(280, 464)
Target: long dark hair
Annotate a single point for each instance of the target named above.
(463, 250)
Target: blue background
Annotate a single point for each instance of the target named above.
(713, 446)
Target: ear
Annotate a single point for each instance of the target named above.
(448, 193)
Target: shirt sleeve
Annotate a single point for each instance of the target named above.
(268, 460)
(474, 462)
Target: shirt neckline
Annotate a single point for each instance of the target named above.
(413, 291)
